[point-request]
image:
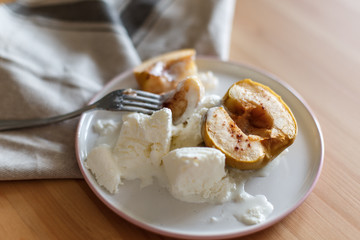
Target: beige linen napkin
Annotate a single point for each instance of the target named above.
(55, 55)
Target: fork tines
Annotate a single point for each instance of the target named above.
(141, 101)
(146, 94)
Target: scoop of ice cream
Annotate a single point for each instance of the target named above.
(197, 174)
(142, 142)
(209, 80)
(101, 163)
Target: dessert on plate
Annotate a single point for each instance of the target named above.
(200, 147)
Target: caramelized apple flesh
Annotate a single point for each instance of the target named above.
(253, 127)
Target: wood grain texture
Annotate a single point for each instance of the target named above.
(311, 45)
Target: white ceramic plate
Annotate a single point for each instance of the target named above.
(154, 209)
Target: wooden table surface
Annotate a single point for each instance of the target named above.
(312, 45)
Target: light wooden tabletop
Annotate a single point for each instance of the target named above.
(312, 45)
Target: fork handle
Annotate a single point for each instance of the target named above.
(25, 123)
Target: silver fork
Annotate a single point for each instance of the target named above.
(129, 100)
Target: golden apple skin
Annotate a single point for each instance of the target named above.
(162, 73)
(257, 114)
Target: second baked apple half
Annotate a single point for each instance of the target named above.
(162, 73)
(253, 126)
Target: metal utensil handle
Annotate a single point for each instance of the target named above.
(16, 124)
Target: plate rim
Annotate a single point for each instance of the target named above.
(251, 230)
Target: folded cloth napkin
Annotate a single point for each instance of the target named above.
(55, 55)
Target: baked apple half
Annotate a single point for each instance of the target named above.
(185, 98)
(162, 73)
(253, 126)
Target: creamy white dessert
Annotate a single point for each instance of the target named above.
(197, 174)
(209, 80)
(102, 164)
(105, 127)
(142, 142)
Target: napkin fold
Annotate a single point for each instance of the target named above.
(56, 55)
